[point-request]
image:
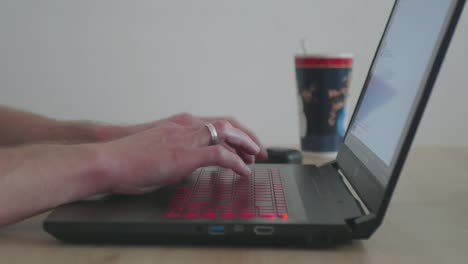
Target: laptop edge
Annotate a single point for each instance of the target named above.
(347, 168)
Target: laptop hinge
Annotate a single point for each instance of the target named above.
(351, 190)
(363, 226)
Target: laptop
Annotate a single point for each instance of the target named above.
(286, 204)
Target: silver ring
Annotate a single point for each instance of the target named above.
(213, 134)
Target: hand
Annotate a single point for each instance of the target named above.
(187, 119)
(165, 151)
(108, 133)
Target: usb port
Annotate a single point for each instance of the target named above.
(263, 230)
(216, 230)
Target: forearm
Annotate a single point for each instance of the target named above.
(36, 178)
(19, 127)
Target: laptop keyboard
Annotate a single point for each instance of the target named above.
(225, 194)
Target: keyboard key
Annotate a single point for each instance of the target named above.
(263, 203)
(247, 215)
(284, 216)
(229, 215)
(191, 215)
(266, 215)
(209, 215)
(227, 195)
(172, 215)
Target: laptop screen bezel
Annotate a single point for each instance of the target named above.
(372, 192)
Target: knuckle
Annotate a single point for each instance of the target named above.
(184, 117)
(218, 150)
(222, 125)
(219, 153)
(233, 120)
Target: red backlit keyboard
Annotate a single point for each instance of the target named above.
(224, 194)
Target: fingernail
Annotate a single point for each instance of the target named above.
(247, 170)
(257, 149)
(264, 153)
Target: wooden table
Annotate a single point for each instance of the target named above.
(427, 223)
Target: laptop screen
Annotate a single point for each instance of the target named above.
(395, 83)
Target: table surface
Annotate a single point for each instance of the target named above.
(427, 222)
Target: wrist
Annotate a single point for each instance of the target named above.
(77, 132)
(105, 133)
(91, 132)
(103, 168)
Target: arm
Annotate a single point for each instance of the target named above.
(36, 178)
(19, 127)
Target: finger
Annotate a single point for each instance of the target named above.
(231, 149)
(217, 155)
(247, 158)
(236, 138)
(123, 189)
(263, 153)
(191, 120)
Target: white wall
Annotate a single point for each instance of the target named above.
(132, 61)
